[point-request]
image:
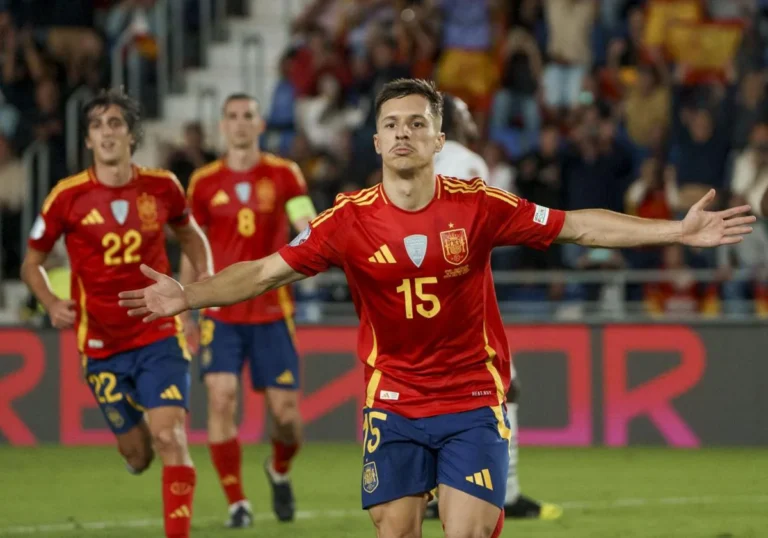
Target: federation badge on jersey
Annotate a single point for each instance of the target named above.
(147, 206)
(243, 191)
(119, 210)
(114, 417)
(370, 477)
(416, 247)
(455, 246)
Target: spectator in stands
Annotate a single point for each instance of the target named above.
(653, 195)
(316, 57)
(383, 68)
(417, 42)
(466, 68)
(540, 173)
(22, 66)
(64, 28)
(569, 50)
(517, 97)
(647, 106)
(680, 295)
(13, 195)
(192, 155)
(750, 255)
(750, 168)
(700, 145)
(751, 107)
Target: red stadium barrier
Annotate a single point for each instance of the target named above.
(582, 385)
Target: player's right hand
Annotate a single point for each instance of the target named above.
(62, 314)
(164, 298)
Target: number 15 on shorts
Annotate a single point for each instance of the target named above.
(371, 431)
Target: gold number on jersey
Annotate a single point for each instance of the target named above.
(406, 288)
(104, 386)
(129, 243)
(373, 431)
(246, 222)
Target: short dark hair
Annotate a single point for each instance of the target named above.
(130, 107)
(404, 87)
(239, 96)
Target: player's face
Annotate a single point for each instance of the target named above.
(109, 136)
(407, 137)
(242, 124)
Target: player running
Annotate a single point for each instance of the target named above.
(458, 160)
(113, 217)
(415, 250)
(244, 202)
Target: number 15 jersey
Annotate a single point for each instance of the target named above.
(431, 334)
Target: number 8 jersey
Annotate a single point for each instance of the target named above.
(431, 336)
(245, 217)
(108, 232)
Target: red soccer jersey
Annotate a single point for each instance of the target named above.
(108, 232)
(244, 214)
(431, 336)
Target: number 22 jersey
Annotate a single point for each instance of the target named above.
(108, 232)
(431, 336)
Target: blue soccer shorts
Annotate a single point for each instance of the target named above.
(468, 451)
(127, 384)
(268, 347)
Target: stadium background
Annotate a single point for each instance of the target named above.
(623, 104)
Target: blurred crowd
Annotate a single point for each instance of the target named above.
(50, 49)
(632, 105)
(580, 104)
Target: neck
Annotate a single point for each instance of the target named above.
(243, 159)
(410, 191)
(114, 175)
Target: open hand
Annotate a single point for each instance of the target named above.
(164, 298)
(702, 228)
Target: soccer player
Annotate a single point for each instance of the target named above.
(415, 249)
(245, 202)
(113, 217)
(456, 159)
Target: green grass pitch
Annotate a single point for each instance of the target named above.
(622, 493)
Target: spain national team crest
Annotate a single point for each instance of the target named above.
(119, 210)
(265, 193)
(147, 206)
(114, 417)
(370, 477)
(455, 246)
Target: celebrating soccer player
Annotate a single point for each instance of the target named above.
(416, 250)
(244, 202)
(113, 217)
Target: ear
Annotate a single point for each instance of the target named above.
(440, 142)
(376, 144)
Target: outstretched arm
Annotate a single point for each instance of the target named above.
(700, 228)
(236, 283)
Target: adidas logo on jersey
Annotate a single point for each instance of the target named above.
(220, 198)
(383, 255)
(286, 378)
(483, 478)
(171, 393)
(93, 217)
(181, 512)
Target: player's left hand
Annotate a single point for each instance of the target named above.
(702, 228)
(164, 298)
